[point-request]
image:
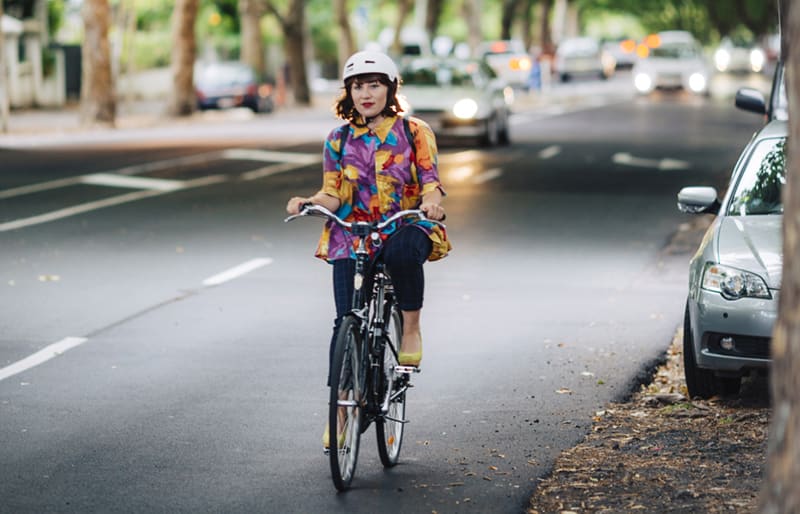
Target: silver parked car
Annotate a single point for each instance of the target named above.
(458, 98)
(735, 276)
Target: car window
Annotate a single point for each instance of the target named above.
(675, 51)
(758, 190)
(441, 75)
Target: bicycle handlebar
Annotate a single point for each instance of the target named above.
(310, 209)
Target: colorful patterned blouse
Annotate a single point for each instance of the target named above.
(373, 179)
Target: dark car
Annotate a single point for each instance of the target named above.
(225, 85)
(750, 99)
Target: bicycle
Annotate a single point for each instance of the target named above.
(367, 385)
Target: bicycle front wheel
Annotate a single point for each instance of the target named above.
(389, 427)
(345, 404)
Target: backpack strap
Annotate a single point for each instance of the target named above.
(412, 143)
(344, 133)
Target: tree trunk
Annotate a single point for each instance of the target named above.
(347, 45)
(781, 490)
(527, 24)
(548, 48)
(507, 18)
(98, 103)
(4, 107)
(250, 12)
(403, 9)
(472, 13)
(433, 17)
(184, 52)
(295, 52)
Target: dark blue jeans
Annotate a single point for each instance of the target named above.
(403, 254)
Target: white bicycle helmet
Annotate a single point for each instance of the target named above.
(370, 62)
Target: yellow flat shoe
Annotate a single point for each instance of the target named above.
(326, 437)
(410, 359)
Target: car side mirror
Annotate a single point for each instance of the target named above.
(750, 99)
(698, 200)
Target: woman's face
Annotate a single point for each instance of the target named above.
(369, 97)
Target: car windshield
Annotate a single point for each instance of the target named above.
(675, 51)
(758, 190)
(444, 74)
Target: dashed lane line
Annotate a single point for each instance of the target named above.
(237, 271)
(43, 355)
(106, 202)
(150, 187)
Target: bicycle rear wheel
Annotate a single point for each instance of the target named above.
(389, 427)
(345, 404)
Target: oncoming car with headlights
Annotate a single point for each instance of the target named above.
(735, 276)
(458, 98)
(675, 61)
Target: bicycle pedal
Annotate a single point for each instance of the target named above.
(406, 370)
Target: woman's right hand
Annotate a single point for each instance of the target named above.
(296, 204)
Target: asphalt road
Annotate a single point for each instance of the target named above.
(163, 333)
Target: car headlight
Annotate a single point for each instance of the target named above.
(757, 59)
(722, 58)
(697, 82)
(643, 82)
(733, 283)
(465, 108)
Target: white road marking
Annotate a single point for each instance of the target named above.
(247, 154)
(487, 175)
(77, 209)
(126, 178)
(627, 159)
(549, 152)
(101, 204)
(41, 186)
(237, 271)
(112, 180)
(43, 355)
(274, 169)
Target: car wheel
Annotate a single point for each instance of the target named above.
(700, 382)
(492, 135)
(504, 137)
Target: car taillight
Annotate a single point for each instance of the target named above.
(264, 90)
(520, 63)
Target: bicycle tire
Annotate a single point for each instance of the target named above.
(390, 427)
(346, 403)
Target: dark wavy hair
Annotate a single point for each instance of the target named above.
(345, 107)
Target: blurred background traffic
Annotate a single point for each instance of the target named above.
(263, 55)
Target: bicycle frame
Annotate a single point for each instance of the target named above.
(376, 391)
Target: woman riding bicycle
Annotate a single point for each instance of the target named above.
(371, 170)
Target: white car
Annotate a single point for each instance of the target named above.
(582, 56)
(738, 56)
(458, 98)
(675, 62)
(509, 60)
